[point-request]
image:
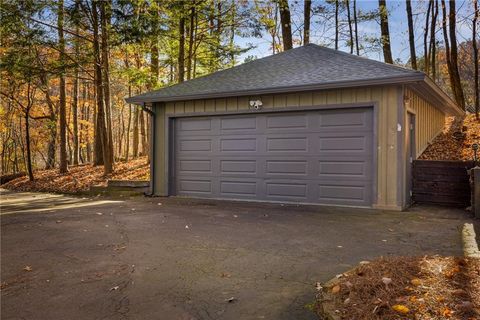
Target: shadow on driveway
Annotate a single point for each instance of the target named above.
(174, 258)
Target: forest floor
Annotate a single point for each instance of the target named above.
(430, 287)
(80, 178)
(455, 141)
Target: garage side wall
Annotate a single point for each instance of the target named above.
(385, 99)
(428, 119)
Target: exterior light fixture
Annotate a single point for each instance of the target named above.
(256, 104)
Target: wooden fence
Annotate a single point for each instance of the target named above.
(441, 182)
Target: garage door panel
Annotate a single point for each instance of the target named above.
(192, 145)
(231, 188)
(286, 190)
(335, 194)
(240, 123)
(287, 167)
(238, 144)
(286, 121)
(287, 144)
(310, 157)
(348, 119)
(344, 168)
(190, 166)
(199, 186)
(342, 144)
(196, 124)
(238, 166)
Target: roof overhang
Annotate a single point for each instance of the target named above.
(431, 92)
(418, 82)
(140, 99)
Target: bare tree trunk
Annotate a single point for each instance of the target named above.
(460, 99)
(127, 141)
(336, 24)
(426, 58)
(433, 40)
(191, 41)
(387, 50)
(355, 20)
(135, 132)
(286, 24)
(232, 34)
(27, 144)
(105, 17)
(350, 30)
(411, 35)
(307, 8)
(129, 123)
(75, 116)
(447, 49)
(143, 134)
(181, 48)
(101, 129)
(154, 55)
(62, 101)
(475, 57)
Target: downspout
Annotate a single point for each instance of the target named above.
(152, 148)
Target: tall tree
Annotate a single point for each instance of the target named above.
(433, 45)
(191, 40)
(181, 46)
(62, 88)
(350, 28)
(307, 8)
(101, 130)
(475, 57)
(426, 58)
(75, 93)
(355, 20)
(451, 53)
(337, 27)
(286, 24)
(411, 35)
(387, 50)
(454, 53)
(105, 17)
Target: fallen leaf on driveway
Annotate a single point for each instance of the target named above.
(114, 288)
(400, 308)
(99, 213)
(416, 282)
(58, 221)
(28, 268)
(231, 299)
(386, 280)
(336, 289)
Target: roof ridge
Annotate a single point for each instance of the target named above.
(354, 56)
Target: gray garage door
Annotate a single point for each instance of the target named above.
(310, 157)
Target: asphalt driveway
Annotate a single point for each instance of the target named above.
(157, 258)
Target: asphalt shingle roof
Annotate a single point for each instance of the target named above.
(303, 67)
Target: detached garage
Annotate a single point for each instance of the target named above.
(309, 125)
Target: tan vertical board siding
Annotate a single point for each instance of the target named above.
(220, 104)
(429, 120)
(242, 103)
(232, 104)
(170, 107)
(386, 99)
